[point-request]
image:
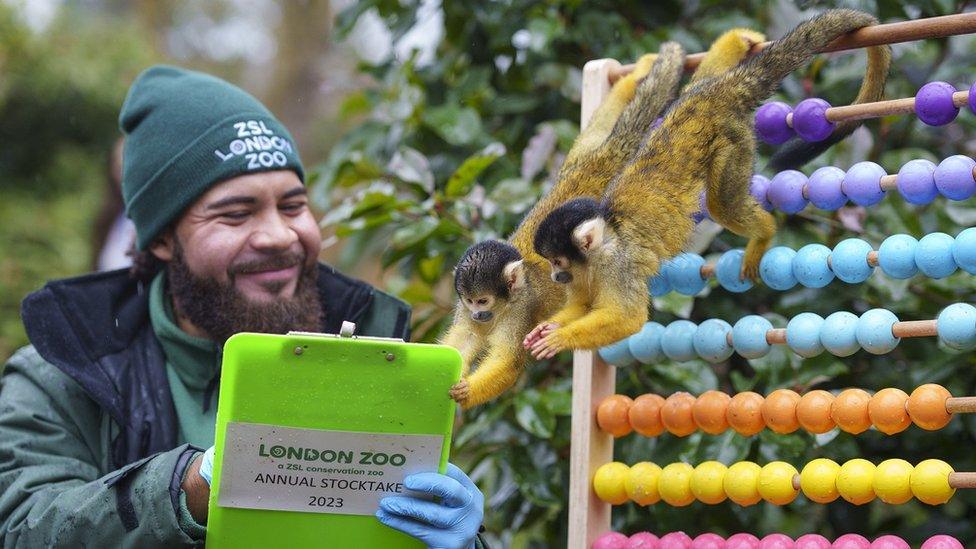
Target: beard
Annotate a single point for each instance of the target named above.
(220, 310)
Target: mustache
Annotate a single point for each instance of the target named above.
(283, 260)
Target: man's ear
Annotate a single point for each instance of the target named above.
(163, 246)
(588, 235)
(514, 275)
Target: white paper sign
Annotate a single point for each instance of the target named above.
(287, 469)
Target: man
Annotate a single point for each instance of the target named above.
(103, 416)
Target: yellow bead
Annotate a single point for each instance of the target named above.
(855, 481)
(818, 480)
(707, 482)
(776, 483)
(892, 481)
(674, 484)
(742, 483)
(608, 482)
(930, 482)
(641, 483)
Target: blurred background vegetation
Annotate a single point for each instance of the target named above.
(433, 125)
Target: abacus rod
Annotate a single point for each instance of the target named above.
(902, 328)
(956, 480)
(961, 405)
(877, 109)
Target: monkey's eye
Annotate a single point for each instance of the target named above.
(468, 301)
(483, 301)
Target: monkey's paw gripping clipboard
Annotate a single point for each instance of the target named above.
(313, 430)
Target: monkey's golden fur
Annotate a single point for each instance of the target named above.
(705, 142)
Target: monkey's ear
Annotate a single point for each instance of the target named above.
(514, 275)
(588, 235)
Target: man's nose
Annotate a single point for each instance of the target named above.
(274, 233)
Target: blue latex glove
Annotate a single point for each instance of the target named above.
(452, 523)
(206, 465)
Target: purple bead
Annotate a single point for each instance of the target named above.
(972, 98)
(916, 181)
(933, 104)
(759, 189)
(786, 191)
(862, 183)
(810, 120)
(771, 123)
(825, 188)
(702, 212)
(954, 177)
(657, 122)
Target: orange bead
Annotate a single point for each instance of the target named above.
(676, 414)
(645, 415)
(612, 416)
(745, 413)
(887, 411)
(927, 406)
(813, 412)
(709, 412)
(779, 411)
(850, 411)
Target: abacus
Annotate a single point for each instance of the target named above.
(599, 416)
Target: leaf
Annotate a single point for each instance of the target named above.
(960, 215)
(533, 415)
(456, 125)
(414, 233)
(411, 166)
(464, 177)
(538, 151)
(429, 268)
(513, 195)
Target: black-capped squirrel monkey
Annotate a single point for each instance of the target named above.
(605, 250)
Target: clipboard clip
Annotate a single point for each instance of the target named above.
(346, 331)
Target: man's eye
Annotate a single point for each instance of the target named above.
(293, 206)
(235, 215)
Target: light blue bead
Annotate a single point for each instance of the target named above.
(810, 266)
(874, 331)
(749, 336)
(776, 268)
(934, 255)
(803, 334)
(849, 260)
(684, 273)
(964, 250)
(645, 345)
(711, 340)
(957, 326)
(896, 256)
(839, 334)
(658, 285)
(617, 353)
(677, 342)
(727, 270)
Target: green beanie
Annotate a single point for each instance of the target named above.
(185, 132)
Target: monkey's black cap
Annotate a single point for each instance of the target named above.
(481, 268)
(554, 237)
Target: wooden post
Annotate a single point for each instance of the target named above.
(593, 380)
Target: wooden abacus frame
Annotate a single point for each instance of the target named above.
(594, 379)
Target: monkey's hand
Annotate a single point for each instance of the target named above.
(549, 344)
(537, 333)
(461, 391)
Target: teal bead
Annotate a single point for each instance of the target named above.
(839, 334)
(711, 340)
(803, 334)
(964, 250)
(658, 285)
(684, 273)
(934, 255)
(776, 268)
(896, 256)
(645, 345)
(956, 326)
(727, 271)
(810, 266)
(849, 260)
(617, 354)
(677, 341)
(874, 331)
(749, 336)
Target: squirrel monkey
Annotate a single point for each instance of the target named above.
(605, 250)
(504, 288)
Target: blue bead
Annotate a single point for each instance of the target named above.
(957, 326)
(645, 345)
(677, 342)
(862, 183)
(711, 340)
(916, 181)
(810, 266)
(786, 191)
(759, 189)
(954, 177)
(658, 285)
(727, 271)
(776, 268)
(874, 331)
(825, 188)
(617, 353)
(684, 273)
(964, 250)
(896, 256)
(839, 334)
(849, 260)
(749, 336)
(934, 255)
(803, 334)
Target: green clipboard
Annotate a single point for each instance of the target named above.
(319, 425)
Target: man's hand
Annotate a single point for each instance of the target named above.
(452, 523)
(196, 485)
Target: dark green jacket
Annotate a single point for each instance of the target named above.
(89, 449)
